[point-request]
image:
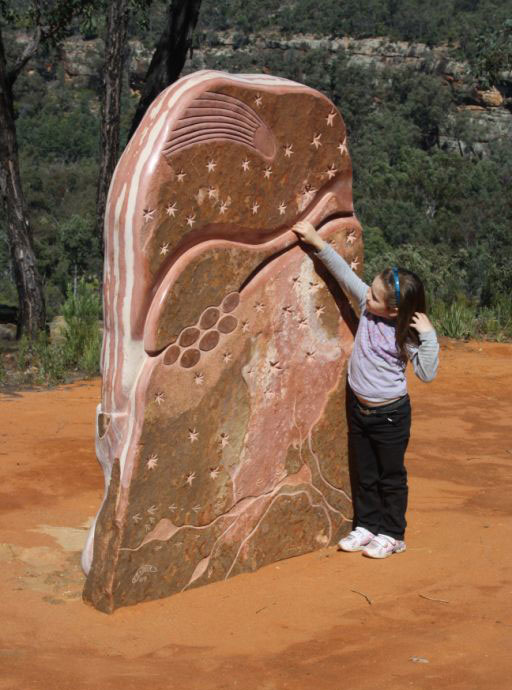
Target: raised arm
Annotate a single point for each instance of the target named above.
(350, 283)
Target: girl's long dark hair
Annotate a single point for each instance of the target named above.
(412, 299)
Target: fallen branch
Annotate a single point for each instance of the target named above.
(363, 595)
(441, 601)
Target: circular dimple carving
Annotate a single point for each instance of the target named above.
(209, 318)
(209, 341)
(189, 336)
(190, 357)
(230, 302)
(227, 324)
(171, 355)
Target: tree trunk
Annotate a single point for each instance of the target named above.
(117, 26)
(170, 54)
(32, 313)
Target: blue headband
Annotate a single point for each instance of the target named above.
(397, 285)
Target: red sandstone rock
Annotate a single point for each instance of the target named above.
(221, 429)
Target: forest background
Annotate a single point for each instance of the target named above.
(429, 118)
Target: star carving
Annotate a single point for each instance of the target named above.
(331, 171)
(288, 150)
(212, 192)
(159, 398)
(310, 355)
(342, 147)
(267, 172)
(314, 286)
(190, 478)
(191, 219)
(193, 435)
(223, 207)
(152, 509)
(282, 208)
(181, 176)
(152, 462)
(246, 165)
(320, 310)
(258, 100)
(351, 237)
(259, 306)
(274, 366)
(224, 440)
(164, 248)
(330, 118)
(137, 518)
(245, 327)
(149, 214)
(303, 323)
(227, 357)
(211, 165)
(214, 472)
(173, 507)
(171, 209)
(354, 264)
(255, 208)
(199, 378)
(316, 141)
(196, 508)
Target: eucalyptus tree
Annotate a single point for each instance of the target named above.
(47, 22)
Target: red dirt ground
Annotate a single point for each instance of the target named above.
(438, 616)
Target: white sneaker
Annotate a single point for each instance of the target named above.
(356, 540)
(383, 546)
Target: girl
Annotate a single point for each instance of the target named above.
(393, 329)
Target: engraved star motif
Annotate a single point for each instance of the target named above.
(330, 118)
(288, 150)
(269, 394)
(190, 478)
(223, 207)
(149, 214)
(255, 208)
(159, 398)
(267, 172)
(282, 208)
(227, 357)
(191, 220)
(164, 249)
(152, 509)
(303, 322)
(310, 355)
(173, 507)
(211, 192)
(152, 462)
(246, 165)
(147, 527)
(314, 286)
(193, 435)
(259, 306)
(245, 327)
(352, 237)
(199, 378)
(211, 165)
(214, 472)
(342, 147)
(152, 520)
(354, 264)
(296, 281)
(331, 172)
(196, 508)
(258, 100)
(287, 309)
(181, 176)
(137, 518)
(171, 209)
(308, 194)
(320, 310)
(224, 439)
(316, 141)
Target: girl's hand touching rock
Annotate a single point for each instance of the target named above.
(307, 233)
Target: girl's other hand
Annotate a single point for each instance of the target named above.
(308, 234)
(421, 322)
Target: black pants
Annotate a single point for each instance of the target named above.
(378, 443)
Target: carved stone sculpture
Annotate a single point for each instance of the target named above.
(221, 429)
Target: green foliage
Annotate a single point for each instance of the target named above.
(493, 54)
(455, 320)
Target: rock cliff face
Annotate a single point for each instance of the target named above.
(488, 112)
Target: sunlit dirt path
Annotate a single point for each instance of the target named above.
(438, 616)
